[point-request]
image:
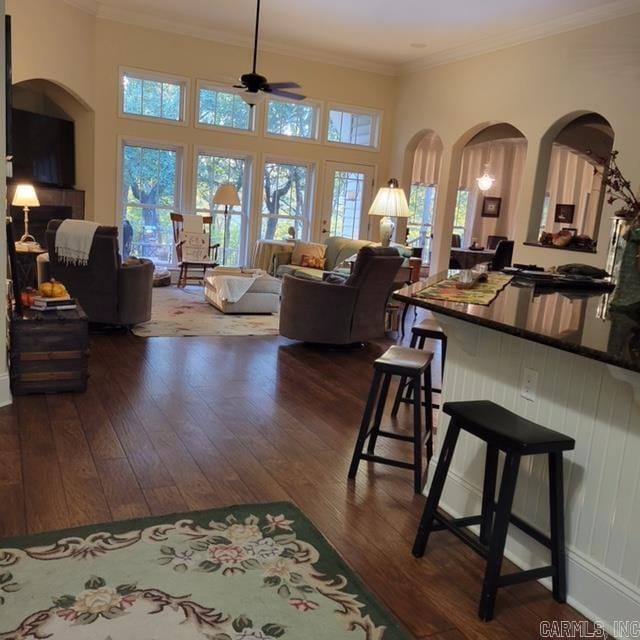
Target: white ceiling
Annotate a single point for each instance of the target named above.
(379, 34)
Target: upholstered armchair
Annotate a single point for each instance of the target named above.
(108, 291)
(341, 312)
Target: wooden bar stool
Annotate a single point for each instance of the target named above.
(427, 329)
(413, 365)
(505, 431)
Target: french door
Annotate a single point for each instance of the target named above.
(347, 197)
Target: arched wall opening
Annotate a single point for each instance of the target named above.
(479, 214)
(421, 172)
(568, 193)
(49, 98)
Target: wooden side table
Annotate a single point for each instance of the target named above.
(49, 351)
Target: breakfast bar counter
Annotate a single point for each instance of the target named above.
(563, 360)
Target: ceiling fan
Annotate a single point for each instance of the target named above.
(253, 83)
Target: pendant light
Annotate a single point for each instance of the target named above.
(486, 180)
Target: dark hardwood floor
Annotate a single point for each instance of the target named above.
(175, 424)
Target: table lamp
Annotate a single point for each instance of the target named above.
(227, 195)
(25, 197)
(390, 202)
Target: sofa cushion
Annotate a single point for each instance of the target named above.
(311, 249)
(314, 262)
(301, 272)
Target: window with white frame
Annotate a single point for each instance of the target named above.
(286, 198)
(213, 170)
(151, 184)
(224, 109)
(292, 119)
(422, 201)
(353, 127)
(145, 94)
(460, 215)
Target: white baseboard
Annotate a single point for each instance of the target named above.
(592, 589)
(5, 390)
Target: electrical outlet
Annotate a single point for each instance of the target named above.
(529, 384)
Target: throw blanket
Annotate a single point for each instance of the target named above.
(73, 241)
(232, 284)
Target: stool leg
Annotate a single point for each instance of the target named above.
(428, 413)
(556, 503)
(499, 536)
(379, 411)
(364, 425)
(488, 493)
(417, 435)
(398, 399)
(404, 316)
(446, 453)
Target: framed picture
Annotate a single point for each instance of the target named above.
(564, 212)
(491, 207)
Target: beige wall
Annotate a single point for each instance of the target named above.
(531, 86)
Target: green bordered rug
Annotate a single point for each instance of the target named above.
(249, 572)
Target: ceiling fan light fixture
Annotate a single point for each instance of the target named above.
(252, 98)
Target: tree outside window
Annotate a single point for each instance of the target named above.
(211, 172)
(422, 199)
(291, 119)
(460, 216)
(149, 190)
(284, 202)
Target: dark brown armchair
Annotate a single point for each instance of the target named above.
(108, 291)
(341, 312)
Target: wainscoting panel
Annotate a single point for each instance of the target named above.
(580, 398)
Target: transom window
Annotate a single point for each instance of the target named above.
(285, 201)
(212, 170)
(353, 127)
(292, 119)
(225, 109)
(152, 95)
(151, 177)
(422, 200)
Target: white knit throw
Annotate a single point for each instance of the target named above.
(73, 241)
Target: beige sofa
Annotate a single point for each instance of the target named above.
(338, 250)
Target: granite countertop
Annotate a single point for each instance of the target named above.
(574, 321)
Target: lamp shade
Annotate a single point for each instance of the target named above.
(390, 201)
(227, 194)
(25, 196)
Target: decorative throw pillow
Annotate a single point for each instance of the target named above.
(313, 262)
(312, 249)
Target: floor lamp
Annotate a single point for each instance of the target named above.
(25, 197)
(226, 195)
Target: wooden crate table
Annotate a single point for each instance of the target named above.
(49, 351)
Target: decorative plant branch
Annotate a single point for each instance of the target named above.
(619, 189)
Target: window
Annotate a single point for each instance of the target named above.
(545, 214)
(422, 201)
(285, 201)
(347, 203)
(152, 95)
(212, 170)
(353, 127)
(219, 108)
(292, 119)
(460, 216)
(151, 177)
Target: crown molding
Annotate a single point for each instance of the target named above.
(541, 30)
(148, 21)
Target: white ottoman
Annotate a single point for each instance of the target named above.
(263, 296)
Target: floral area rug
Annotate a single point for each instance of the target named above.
(184, 312)
(251, 572)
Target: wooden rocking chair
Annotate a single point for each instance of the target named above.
(177, 222)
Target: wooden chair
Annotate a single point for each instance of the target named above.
(177, 222)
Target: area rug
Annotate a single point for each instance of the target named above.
(250, 572)
(184, 312)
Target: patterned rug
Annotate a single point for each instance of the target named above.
(184, 312)
(250, 572)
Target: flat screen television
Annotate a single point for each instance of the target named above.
(43, 149)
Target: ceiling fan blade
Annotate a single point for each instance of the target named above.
(282, 85)
(286, 94)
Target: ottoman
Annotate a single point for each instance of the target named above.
(263, 296)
